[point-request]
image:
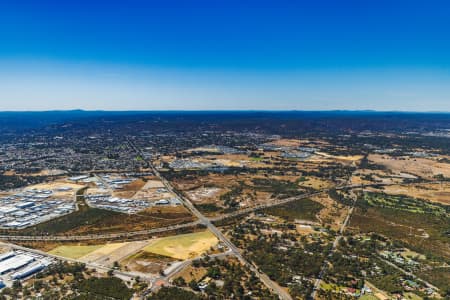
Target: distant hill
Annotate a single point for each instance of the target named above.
(265, 121)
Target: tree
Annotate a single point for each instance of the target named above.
(17, 285)
(179, 281)
(194, 285)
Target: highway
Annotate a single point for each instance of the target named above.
(131, 234)
(109, 236)
(205, 221)
(273, 286)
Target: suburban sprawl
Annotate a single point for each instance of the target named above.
(232, 205)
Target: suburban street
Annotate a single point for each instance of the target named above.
(283, 294)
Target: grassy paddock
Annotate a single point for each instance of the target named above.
(183, 246)
(74, 251)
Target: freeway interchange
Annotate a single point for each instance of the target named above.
(201, 220)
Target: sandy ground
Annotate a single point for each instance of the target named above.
(382, 295)
(102, 252)
(202, 149)
(4, 249)
(422, 167)
(202, 194)
(150, 191)
(137, 190)
(288, 143)
(114, 252)
(97, 191)
(232, 160)
(304, 229)
(51, 172)
(151, 184)
(58, 185)
(350, 158)
(151, 194)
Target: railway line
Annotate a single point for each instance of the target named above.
(131, 234)
(273, 286)
(208, 223)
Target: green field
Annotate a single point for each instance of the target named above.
(332, 287)
(368, 297)
(257, 159)
(421, 226)
(405, 203)
(74, 251)
(183, 246)
(411, 296)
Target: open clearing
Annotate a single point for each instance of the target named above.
(74, 251)
(350, 158)
(423, 167)
(146, 262)
(368, 297)
(190, 273)
(102, 251)
(183, 246)
(103, 254)
(61, 189)
(316, 183)
(434, 192)
(110, 253)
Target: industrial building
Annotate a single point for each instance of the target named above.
(14, 263)
(28, 271)
(6, 255)
(19, 265)
(129, 206)
(32, 207)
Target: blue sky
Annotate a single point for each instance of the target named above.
(158, 55)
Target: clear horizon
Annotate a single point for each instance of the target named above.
(150, 56)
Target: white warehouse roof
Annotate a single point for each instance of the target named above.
(15, 263)
(8, 209)
(7, 255)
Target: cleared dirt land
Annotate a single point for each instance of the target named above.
(61, 189)
(423, 167)
(110, 253)
(103, 254)
(146, 262)
(183, 246)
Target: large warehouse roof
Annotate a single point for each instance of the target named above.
(15, 263)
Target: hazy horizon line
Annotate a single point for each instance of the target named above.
(222, 110)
